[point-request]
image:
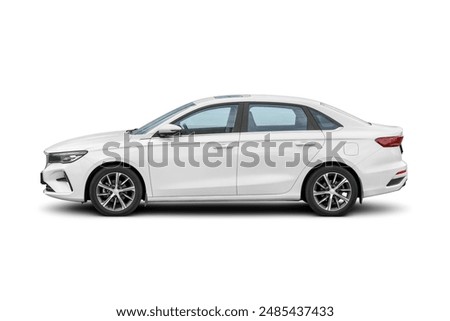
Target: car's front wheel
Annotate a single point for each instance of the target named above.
(331, 191)
(115, 191)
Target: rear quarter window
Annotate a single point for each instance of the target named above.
(324, 122)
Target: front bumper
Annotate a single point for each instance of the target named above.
(65, 181)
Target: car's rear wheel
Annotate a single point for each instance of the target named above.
(331, 191)
(115, 191)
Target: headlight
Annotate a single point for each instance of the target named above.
(66, 157)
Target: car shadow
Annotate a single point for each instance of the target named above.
(228, 209)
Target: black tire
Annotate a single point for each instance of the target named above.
(343, 198)
(97, 193)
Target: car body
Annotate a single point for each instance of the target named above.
(232, 148)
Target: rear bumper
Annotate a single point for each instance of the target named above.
(386, 180)
(387, 189)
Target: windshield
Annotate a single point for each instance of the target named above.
(158, 121)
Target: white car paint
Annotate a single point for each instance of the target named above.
(374, 165)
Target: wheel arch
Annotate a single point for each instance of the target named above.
(109, 165)
(330, 164)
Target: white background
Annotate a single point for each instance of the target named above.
(70, 68)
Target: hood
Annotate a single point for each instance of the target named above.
(90, 142)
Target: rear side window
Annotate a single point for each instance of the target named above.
(271, 117)
(324, 122)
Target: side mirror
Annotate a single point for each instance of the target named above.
(168, 130)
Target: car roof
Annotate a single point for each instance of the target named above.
(262, 98)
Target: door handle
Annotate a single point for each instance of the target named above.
(309, 144)
(224, 146)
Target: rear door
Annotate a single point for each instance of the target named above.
(277, 142)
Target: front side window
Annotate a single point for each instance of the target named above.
(270, 117)
(211, 120)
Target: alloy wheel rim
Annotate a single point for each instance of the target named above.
(332, 191)
(115, 191)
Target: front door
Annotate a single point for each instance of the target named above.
(202, 160)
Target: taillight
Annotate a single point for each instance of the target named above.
(392, 141)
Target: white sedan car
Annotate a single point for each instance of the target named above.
(232, 148)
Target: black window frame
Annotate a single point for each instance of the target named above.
(311, 125)
(241, 123)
